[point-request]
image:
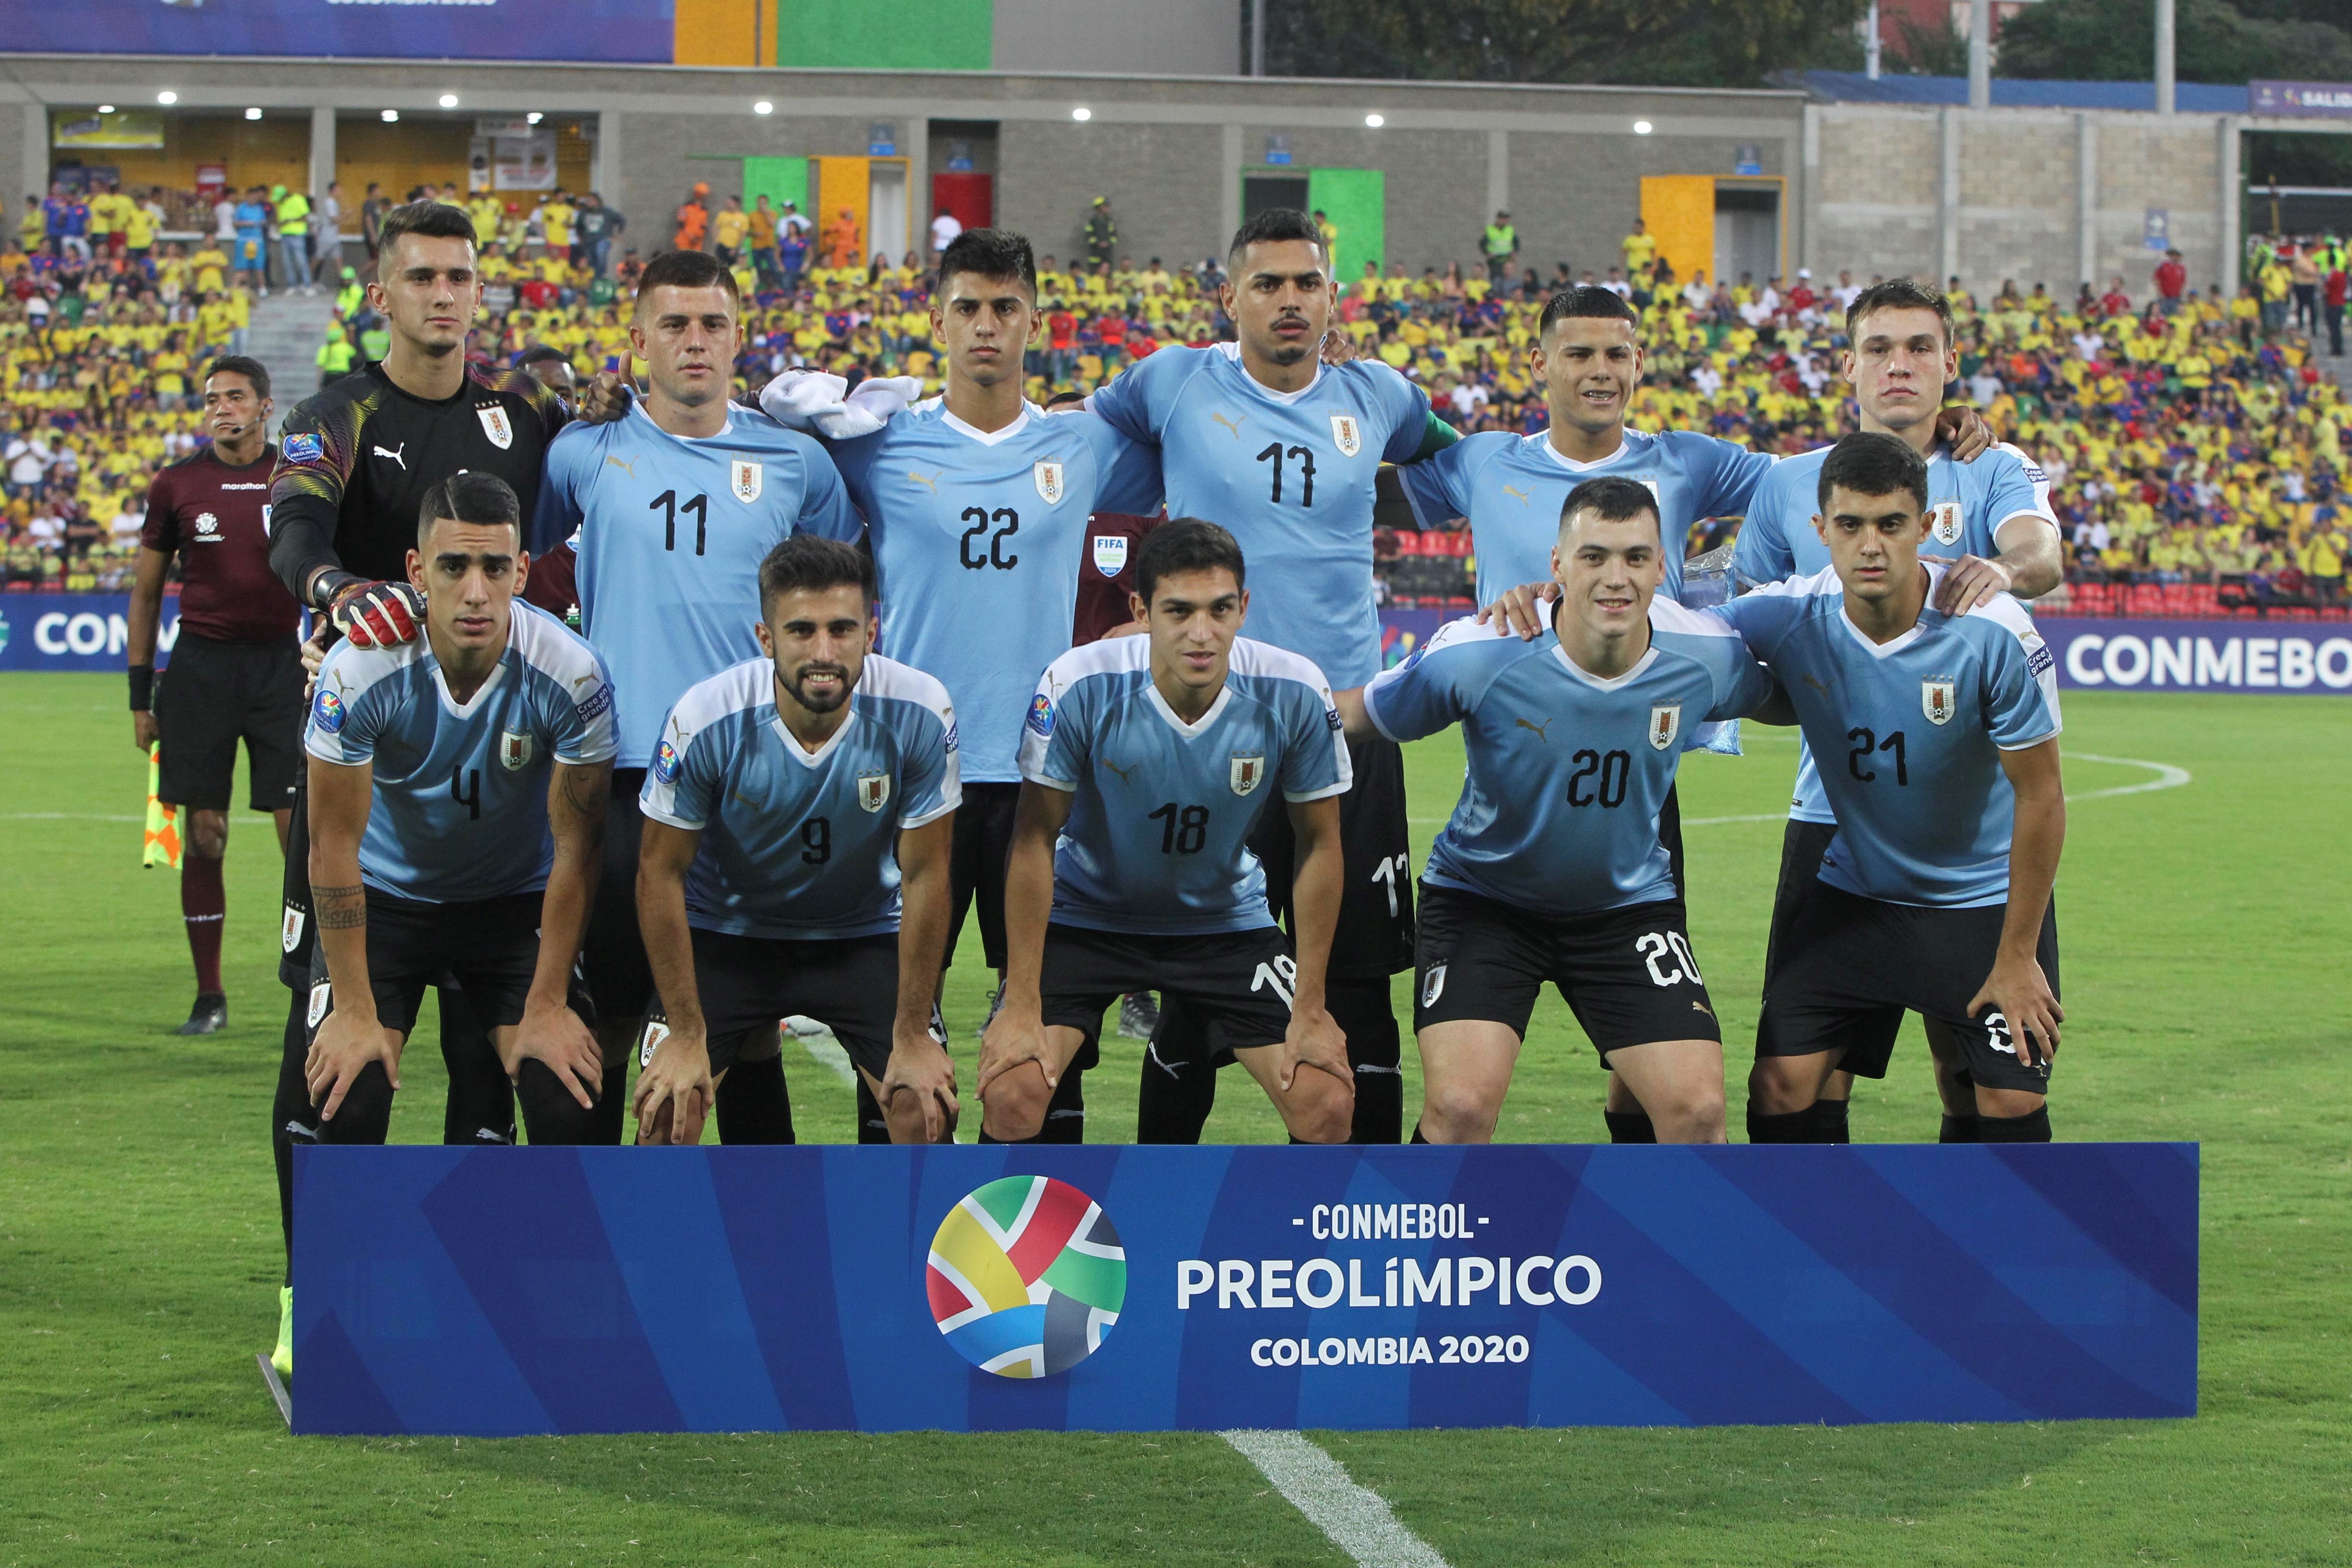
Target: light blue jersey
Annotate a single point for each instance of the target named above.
(798, 844)
(459, 812)
(977, 541)
(1157, 839)
(1967, 501)
(670, 531)
(1916, 727)
(1511, 488)
(1290, 474)
(1567, 772)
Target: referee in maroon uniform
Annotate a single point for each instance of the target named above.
(236, 669)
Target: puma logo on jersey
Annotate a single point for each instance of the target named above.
(1126, 775)
(629, 467)
(1701, 1007)
(1816, 682)
(929, 482)
(1233, 424)
(1514, 491)
(1539, 729)
(395, 454)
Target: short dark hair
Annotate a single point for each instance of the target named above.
(688, 270)
(806, 562)
(1585, 300)
(1899, 294)
(539, 354)
(1613, 498)
(246, 365)
(435, 220)
(1185, 544)
(469, 496)
(988, 253)
(1277, 225)
(1874, 464)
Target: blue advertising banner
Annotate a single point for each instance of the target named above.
(2302, 99)
(497, 1292)
(2305, 658)
(1402, 631)
(75, 631)
(606, 30)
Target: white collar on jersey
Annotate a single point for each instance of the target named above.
(1649, 657)
(638, 407)
(1234, 353)
(1624, 446)
(1192, 730)
(969, 431)
(1919, 629)
(802, 754)
(472, 705)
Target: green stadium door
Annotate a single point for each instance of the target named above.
(1355, 201)
(781, 180)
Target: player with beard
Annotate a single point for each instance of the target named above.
(354, 464)
(235, 669)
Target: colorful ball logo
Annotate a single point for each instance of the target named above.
(1026, 1276)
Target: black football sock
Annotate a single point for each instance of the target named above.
(872, 1127)
(290, 1116)
(1416, 1137)
(2033, 1126)
(1364, 1012)
(1958, 1129)
(1179, 1087)
(366, 1114)
(1065, 1113)
(1793, 1127)
(480, 1109)
(1629, 1127)
(549, 1114)
(752, 1105)
(1828, 1123)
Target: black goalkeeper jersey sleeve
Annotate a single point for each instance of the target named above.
(354, 463)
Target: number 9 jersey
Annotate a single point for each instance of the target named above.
(1157, 839)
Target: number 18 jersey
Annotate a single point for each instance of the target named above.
(1157, 840)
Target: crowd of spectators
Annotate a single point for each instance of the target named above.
(2194, 446)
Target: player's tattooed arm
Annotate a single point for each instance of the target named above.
(675, 1090)
(2017, 989)
(1017, 1036)
(917, 1091)
(340, 909)
(349, 1037)
(551, 1032)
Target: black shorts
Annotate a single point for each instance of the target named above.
(1626, 973)
(747, 982)
(1237, 984)
(491, 946)
(984, 841)
(1374, 937)
(216, 694)
(1803, 845)
(294, 934)
(613, 955)
(1852, 967)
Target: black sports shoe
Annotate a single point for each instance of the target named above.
(209, 1016)
(1138, 1014)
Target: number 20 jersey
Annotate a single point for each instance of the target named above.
(1909, 733)
(1157, 840)
(670, 531)
(1567, 770)
(976, 538)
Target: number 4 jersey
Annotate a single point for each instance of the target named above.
(1157, 837)
(1567, 770)
(670, 531)
(1909, 733)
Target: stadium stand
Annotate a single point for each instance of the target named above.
(2195, 447)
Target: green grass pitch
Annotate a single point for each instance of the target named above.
(2205, 937)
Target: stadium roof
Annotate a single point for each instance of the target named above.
(2016, 92)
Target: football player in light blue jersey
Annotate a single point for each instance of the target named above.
(1552, 867)
(669, 508)
(1260, 436)
(1934, 893)
(1993, 511)
(1145, 765)
(456, 792)
(799, 812)
(976, 506)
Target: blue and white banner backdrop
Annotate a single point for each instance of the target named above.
(75, 631)
(495, 1292)
(2276, 657)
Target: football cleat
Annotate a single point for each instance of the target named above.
(282, 1358)
(995, 1006)
(1138, 1014)
(208, 1016)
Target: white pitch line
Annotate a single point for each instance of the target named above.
(1356, 1519)
(2167, 776)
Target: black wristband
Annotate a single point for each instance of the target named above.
(328, 584)
(143, 688)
